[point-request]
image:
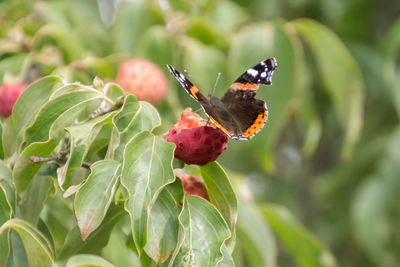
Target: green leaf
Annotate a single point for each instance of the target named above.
(221, 195)
(36, 195)
(39, 130)
(163, 227)
(7, 200)
(83, 137)
(26, 107)
(37, 247)
(24, 171)
(86, 260)
(227, 260)
(311, 252)
(341, 76)
(146, 118)
(205, 232)
(95, 196)
(96, 240)
(147, 168)
(59, 218)
(255, 236)
(117, 250)
(391, 48)
(373, 206)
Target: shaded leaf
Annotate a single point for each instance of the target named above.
(96, 240)
(255, 236)
(37, 247)
(147, 168)
(205, 232)
(311, 252)
(6, 213)
(221, 194)
(341, 76)
(163, 227)
(95, 195)
(117, 250)
(35, 197)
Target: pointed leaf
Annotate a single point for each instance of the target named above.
(37, 247)
(341, 76)
(147, 168)
(95, 196)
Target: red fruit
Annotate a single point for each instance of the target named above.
(196, 143)
(9, 93)
(193, 186)
(143, 79)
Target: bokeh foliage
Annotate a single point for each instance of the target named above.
(329, 152)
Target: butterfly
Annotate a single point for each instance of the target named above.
(238, 113)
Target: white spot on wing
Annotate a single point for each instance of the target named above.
(263, 75)
(252, 72)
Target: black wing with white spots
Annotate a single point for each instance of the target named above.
(188, 85)
(260, 73)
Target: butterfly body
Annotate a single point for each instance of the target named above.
(238, 113)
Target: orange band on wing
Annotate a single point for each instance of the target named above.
(257, 125)
(194, 92)
(219, 125)
(245, 86)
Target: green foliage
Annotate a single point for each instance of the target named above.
(80, 189)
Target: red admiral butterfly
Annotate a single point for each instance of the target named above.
(237, 113)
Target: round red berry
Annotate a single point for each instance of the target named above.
(143, 79)
(9, 93)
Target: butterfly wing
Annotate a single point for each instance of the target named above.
(259, 74)
(188, 85)
(248, 113)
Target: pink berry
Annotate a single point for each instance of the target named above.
(193, 186)
(143, 79)
(9, 93)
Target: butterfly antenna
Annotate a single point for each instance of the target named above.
(187, 74)
(216, 82)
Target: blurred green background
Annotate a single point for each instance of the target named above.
(330, 151)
